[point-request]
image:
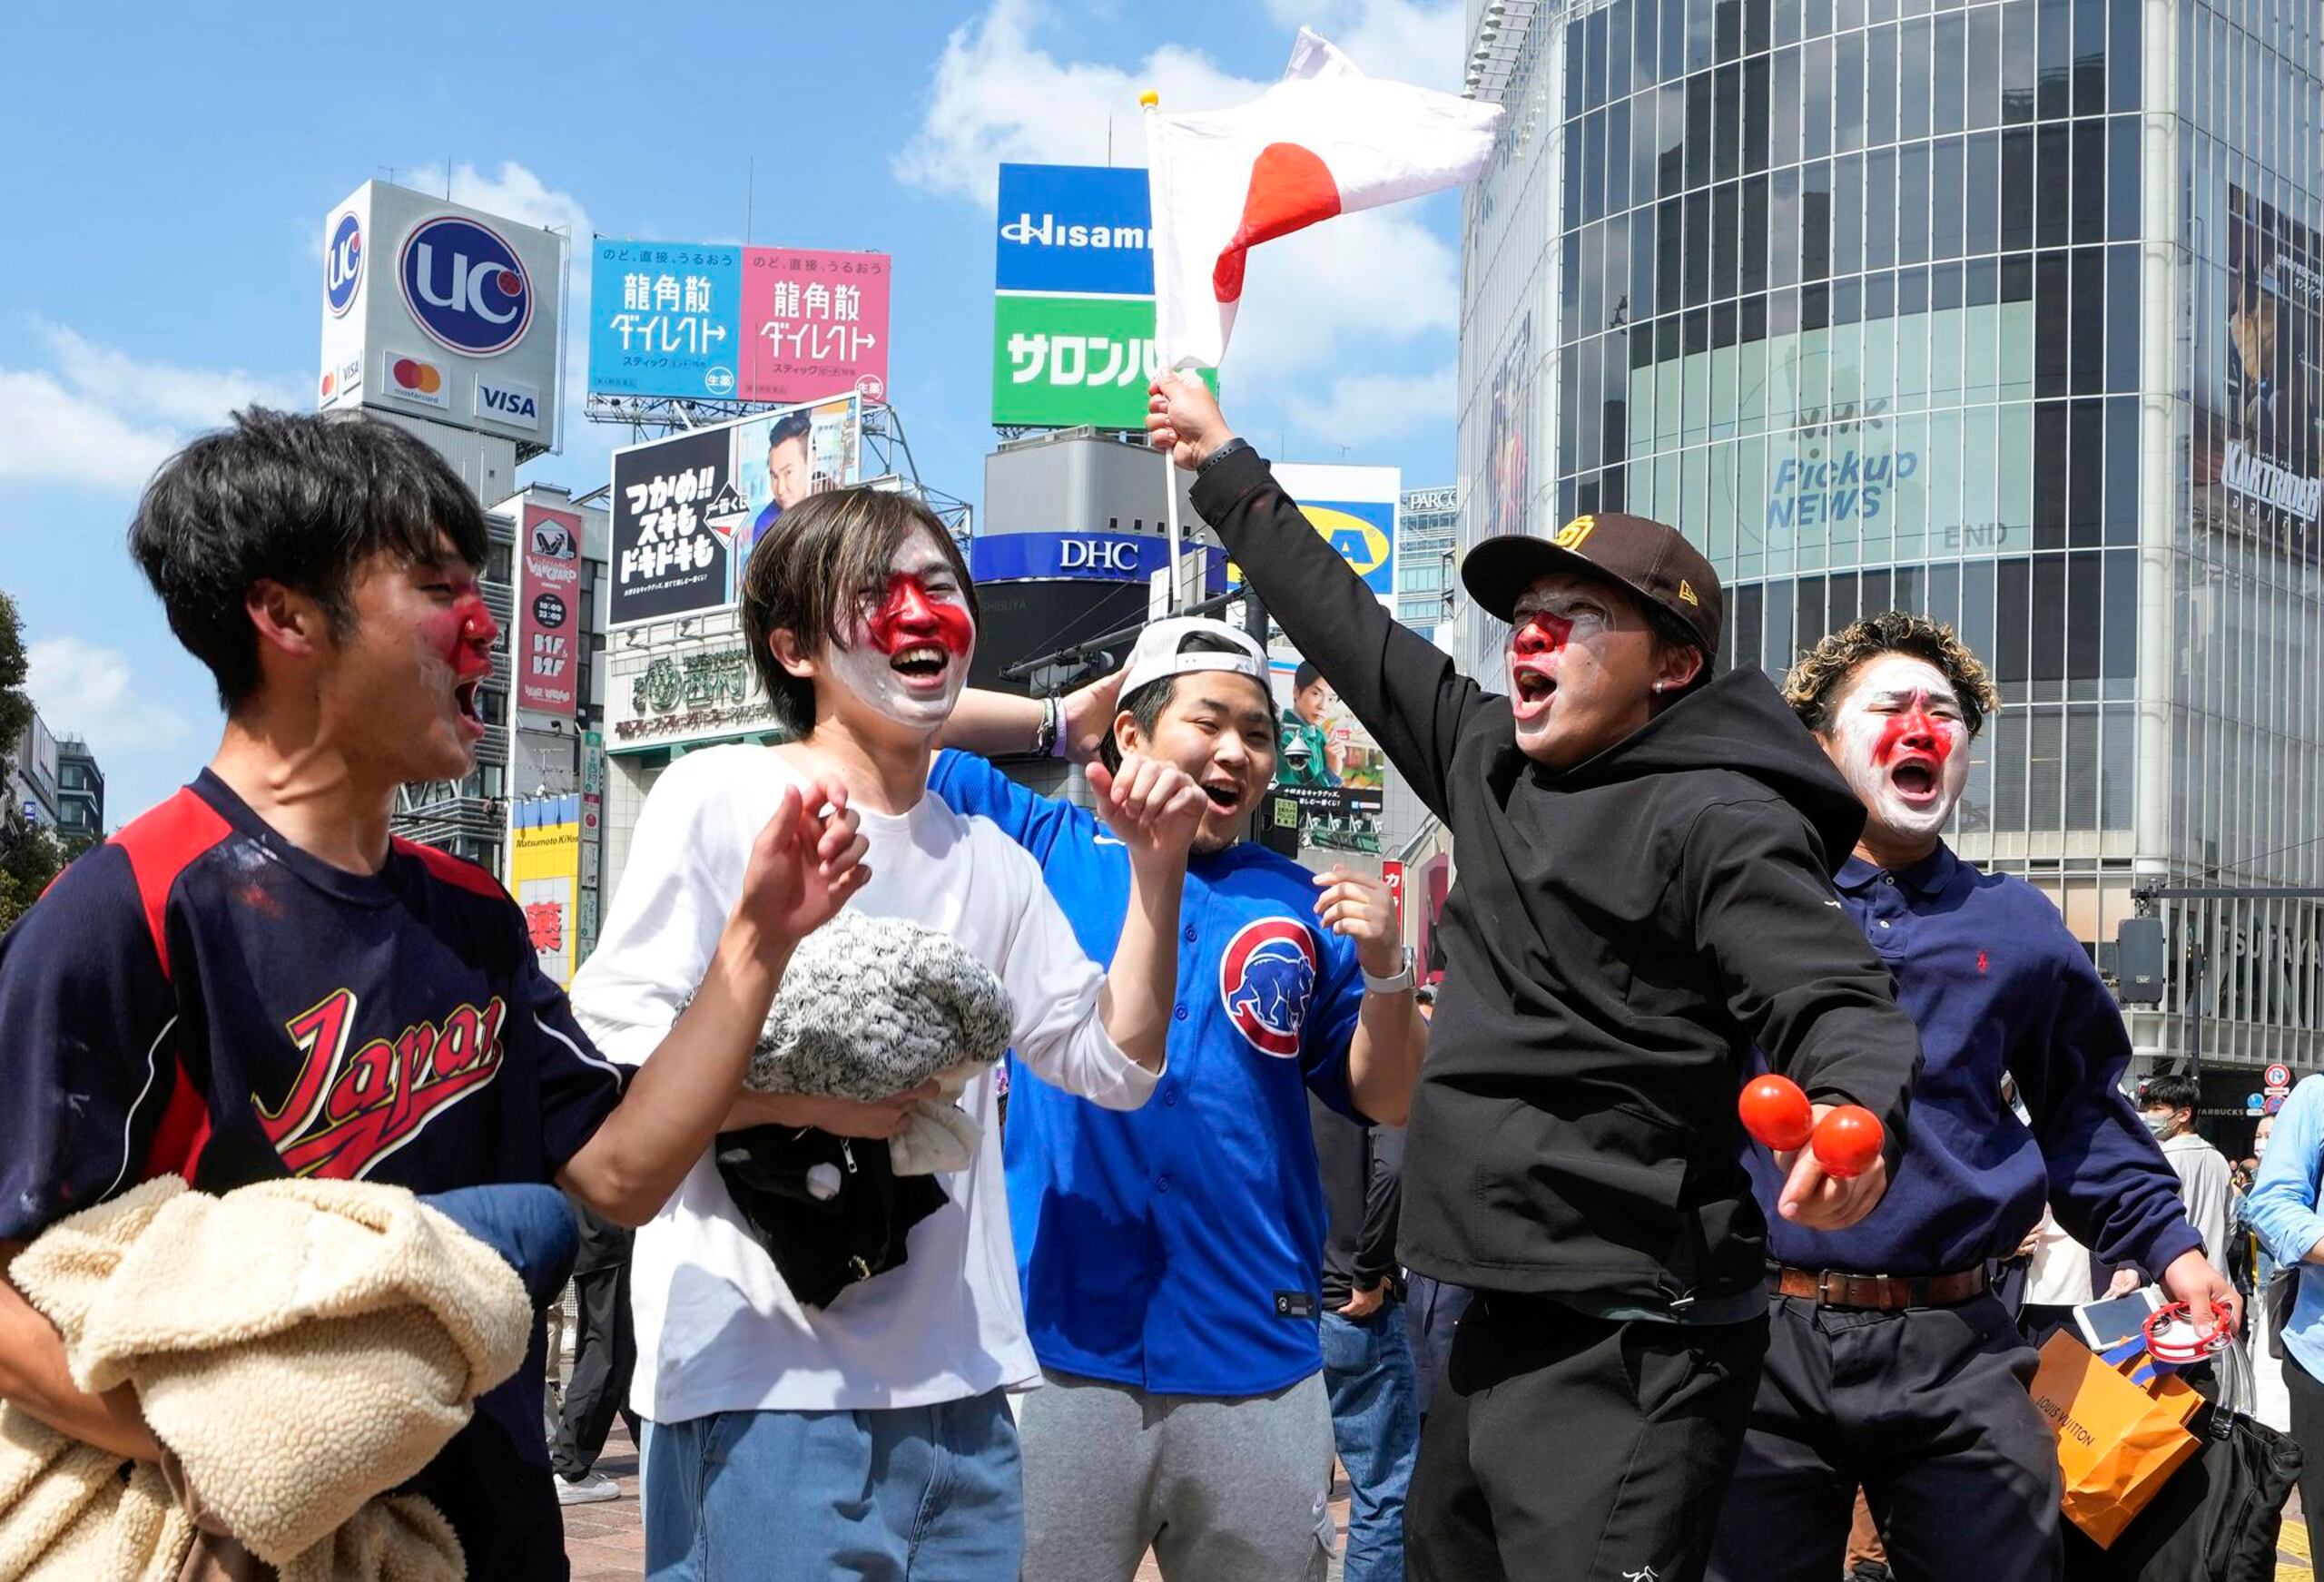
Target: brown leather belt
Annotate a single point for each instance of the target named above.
(1878, 1292)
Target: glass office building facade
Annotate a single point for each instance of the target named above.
(2007, 311)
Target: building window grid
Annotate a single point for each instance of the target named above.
(2082, 154)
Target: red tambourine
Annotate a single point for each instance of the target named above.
(2193, 1340)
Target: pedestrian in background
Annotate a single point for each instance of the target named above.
(2283, 1209)
(604, 1355)
(1368, 1369)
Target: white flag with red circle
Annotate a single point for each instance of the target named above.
(1326, 139)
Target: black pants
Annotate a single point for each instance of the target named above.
(604, 1355)
(1561, 1448)
(1928, 1409)
(1433, 1312)
(2307, 1431)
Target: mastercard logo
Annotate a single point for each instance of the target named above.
(330, 382)
(411, 374)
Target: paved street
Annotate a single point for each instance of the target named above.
(607, 1541)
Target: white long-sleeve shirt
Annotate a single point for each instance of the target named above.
(2204, 1187)
(717, 1329)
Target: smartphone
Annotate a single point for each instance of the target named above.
(2105, 1325)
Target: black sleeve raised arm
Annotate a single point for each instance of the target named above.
(1402, 686)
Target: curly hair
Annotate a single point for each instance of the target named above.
(1817, 682)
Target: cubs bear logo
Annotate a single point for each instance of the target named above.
(1264, 980)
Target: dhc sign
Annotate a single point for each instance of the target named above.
(1077, 556)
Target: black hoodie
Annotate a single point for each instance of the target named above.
(1618, 935)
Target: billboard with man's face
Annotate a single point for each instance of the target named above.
(2259, 461)
(687, 508)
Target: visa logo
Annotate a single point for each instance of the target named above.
(505, 401)
(1025, 231)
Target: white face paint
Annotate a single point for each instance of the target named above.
(907, 645)
(1898, 738)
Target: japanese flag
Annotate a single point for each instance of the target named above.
(1326, 139)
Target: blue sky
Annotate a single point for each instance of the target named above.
(170, 177)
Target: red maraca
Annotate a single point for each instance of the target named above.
(1775, 1113)
(1848, 1140)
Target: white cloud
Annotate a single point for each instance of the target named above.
(996, 96)
(1366, 408)
(84, 689)
(98, 416)
(511, 190)
(1379, 276)
(58, 436)
(1387, 38)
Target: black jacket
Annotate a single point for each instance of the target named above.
(1618, 936)
(1363, 1173)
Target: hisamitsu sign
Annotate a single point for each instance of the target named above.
(1073, 314)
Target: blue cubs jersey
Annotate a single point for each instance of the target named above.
(1178, 1248)
(200, 996)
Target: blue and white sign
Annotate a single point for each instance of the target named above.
(343, 264)
(1074, 229)
(461, 316)
(465, 286)
(1002, 557)
(507, 401)
(664, 319)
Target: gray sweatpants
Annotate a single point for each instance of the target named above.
(1223, 1489)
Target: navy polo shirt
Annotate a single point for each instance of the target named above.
(1990, 975)
(1178, 1248)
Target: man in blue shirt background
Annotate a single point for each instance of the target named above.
(1889, 1363)
(2282, 1208)
(1171, 1258)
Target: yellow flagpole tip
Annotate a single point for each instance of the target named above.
(1150, 99)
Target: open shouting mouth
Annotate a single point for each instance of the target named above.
(1532, 691)
(1917, 778)
(923, 666)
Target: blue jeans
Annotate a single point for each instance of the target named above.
(1375, 1422)
(887, 1496)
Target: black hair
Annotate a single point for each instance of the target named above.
(2170, 1091)
(1305, 676)
(790, 425)
(1147, 705)
(299, 499)
(806, 576)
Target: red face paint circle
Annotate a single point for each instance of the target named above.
(908, 617)
(1848, 1141)
(1541, 634)
(1775, 1113)
(1917, 727)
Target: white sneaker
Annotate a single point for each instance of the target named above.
(591, 1488)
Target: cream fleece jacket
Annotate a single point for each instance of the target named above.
(298, 1345)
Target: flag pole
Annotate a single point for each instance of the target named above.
(1146, 102)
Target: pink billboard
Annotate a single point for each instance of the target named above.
(814, 324)
(549, 611)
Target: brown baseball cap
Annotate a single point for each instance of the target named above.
(1652, 561)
